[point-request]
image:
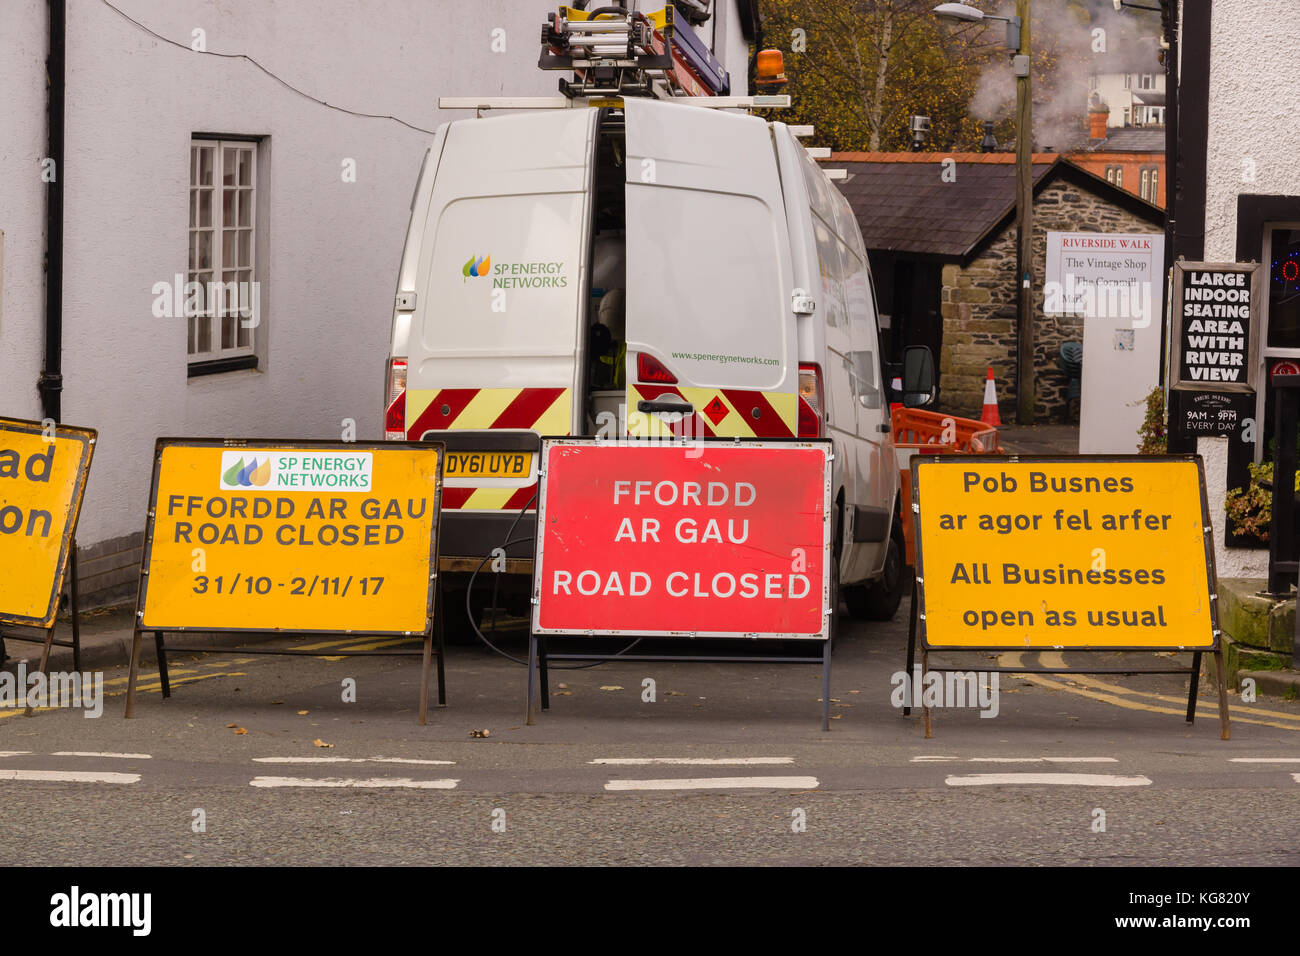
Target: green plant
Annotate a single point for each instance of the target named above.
(1250, 509)
(1152, 432)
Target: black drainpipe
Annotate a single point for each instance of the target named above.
(50, 384)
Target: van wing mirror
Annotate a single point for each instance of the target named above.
(918, 376)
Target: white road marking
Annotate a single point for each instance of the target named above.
(372, 783)
(1264, 760)
(932, 759)
(1068, 779)
(693, 761)
(446, 763)
(1296, 777)
(14, 753)
(69, 776)
(718, 783)
(1043, 760)
(93, 753)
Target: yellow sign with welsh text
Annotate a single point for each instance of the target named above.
(298, 536)
(42, 478)
(1086, 552)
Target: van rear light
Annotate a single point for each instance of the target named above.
(812, 407)
(650, 369)
(395, 408)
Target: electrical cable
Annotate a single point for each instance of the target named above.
(283, 82)
(473, 622)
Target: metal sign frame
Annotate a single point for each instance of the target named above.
(917, 623)
(66, 565)
(433, 631)
(539, 654)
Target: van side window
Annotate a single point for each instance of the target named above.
(831, 262)
(865, 389)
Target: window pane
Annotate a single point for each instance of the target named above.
(194, 250)
(245, 167)
(206, 154)
(194, 208)
(228, 207)
(1284, 289)
(246, 247)
(245, 207)
(228, 247)
(204, 335)
(204, 237)
(228, 166)
(205, 207)
(189, 347)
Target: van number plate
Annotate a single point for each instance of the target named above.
(488, 464)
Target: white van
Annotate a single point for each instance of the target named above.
(693, 266)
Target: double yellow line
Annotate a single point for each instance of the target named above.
(1108, 693)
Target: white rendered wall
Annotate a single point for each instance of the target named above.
(22, 205)
(133, 103)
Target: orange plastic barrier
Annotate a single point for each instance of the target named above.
(920, 432)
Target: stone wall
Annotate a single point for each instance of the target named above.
(978, 306)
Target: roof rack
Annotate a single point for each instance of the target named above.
(616, 53)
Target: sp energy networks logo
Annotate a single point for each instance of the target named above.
(245, 473)
(296, 470)
(539, 274)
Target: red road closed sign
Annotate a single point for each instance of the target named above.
(725, 539)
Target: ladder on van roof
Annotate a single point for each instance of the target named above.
(615, 52)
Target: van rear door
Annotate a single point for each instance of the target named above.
(710, 329)
(494, 342)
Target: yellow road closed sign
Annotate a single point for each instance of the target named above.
(1075, 553)
(301, 536)
(42, 478)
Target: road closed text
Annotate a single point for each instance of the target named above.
(642, 539)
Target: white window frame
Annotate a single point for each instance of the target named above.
(218, 269)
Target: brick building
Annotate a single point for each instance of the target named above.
(940, 232)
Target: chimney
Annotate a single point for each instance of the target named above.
(1098, 114)
(988, 144)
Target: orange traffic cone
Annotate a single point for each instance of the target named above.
(990, 416)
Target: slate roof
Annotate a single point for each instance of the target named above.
(903, 205)
(1130, 139)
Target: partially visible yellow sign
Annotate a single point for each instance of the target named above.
(301, 536)
(1079, 553)
(42, 478)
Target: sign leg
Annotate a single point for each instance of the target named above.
(162, 664)
(72, 600)
(45, 660)
(135, 670)
(544, 673)
(424, 679)
(532, 678)
(925, 708)
(442, 674)
(826, 685)
(1193, 686)
(911, 647)
(1225, 731)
